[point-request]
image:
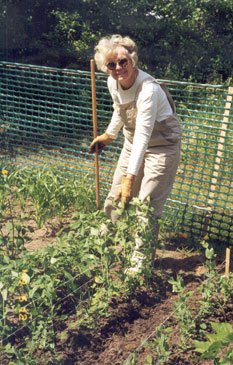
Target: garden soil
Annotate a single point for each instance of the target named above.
(132, 321)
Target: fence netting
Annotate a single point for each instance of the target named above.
(46, 119)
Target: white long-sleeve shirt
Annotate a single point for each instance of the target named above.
(151, 104)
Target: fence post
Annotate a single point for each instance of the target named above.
(221, 142)
(228, 261)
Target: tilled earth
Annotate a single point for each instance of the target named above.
(133, 321)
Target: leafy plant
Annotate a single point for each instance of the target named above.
(219, 346)
(186, 320)
(211, 287)
(83, 271)
(79, 274)
(160, 346)
(132, 360)
(52, 193)
(12, 234)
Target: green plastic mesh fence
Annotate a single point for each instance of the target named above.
(46, 119)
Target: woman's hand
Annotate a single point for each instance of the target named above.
(101, 141)
(125, 192)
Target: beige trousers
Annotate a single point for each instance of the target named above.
(155, 178)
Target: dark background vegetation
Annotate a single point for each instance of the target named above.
(178, 39)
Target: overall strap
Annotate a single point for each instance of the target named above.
(169, 97)
(165, 89)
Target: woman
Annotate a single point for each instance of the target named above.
(144, 109)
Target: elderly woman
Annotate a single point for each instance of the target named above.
(145, 110)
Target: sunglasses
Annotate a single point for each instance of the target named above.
(122, 63)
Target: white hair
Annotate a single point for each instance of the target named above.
(109, 44)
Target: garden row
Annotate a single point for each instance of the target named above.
(82, 273)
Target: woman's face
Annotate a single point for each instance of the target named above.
(121, 68)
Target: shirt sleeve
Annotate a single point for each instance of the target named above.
(115, 125)
(116, 121)
(147, 112)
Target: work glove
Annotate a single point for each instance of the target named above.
(125, 192)
(101, 141)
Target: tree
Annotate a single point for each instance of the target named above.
(185, 39)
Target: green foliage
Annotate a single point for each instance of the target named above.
(193, 322)
(215, 289)
(12, 234)
(84, 270)
(80, 273)
(51, 192)
(132, 360)
(77, 34)
(182, 312)
(219, 345)
(177, 40)
(160, 346)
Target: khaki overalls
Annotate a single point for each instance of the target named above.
(161, 159)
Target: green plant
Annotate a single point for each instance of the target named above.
(219, 346)
(84, 269)
(210, 288)
(160, 346)
(12, 234)
(51, 193)
(186, 320)
(33, 285)
(81, 272)
(132, 360)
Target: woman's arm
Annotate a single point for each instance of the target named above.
(147, 110)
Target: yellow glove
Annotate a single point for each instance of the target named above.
(101, 141)
(125, 192)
